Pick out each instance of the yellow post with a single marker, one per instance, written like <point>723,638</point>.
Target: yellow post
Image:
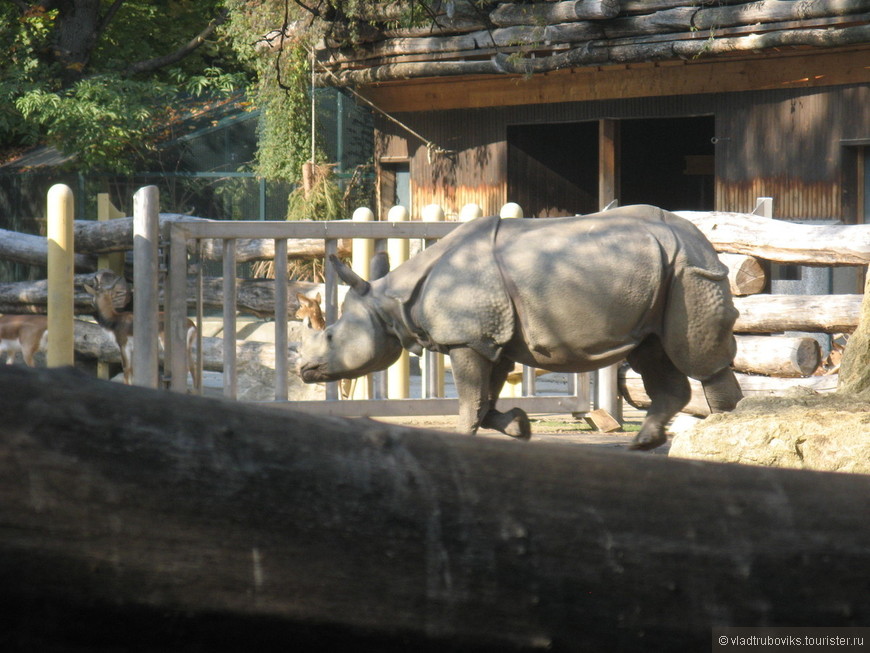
<point>432,364</point>
<point>112,261</point>
<point>398,374</point>
<point>511,210</point>
<point>60,277</point>
<point>106,211</point>
<point>362,251</point>
<point>470,212</point>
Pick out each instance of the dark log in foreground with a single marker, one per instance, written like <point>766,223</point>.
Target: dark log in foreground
<point>134,519</point>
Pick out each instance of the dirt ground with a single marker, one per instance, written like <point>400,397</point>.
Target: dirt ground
<point>545,428</point>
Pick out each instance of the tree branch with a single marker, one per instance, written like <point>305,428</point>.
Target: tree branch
<point>110,14</point>
<point>159,62</point>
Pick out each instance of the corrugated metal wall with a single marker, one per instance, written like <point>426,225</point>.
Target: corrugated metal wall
<point>786,144</point>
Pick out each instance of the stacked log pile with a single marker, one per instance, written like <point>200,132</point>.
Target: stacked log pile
<point>769,362</point>
<point>466,37</point>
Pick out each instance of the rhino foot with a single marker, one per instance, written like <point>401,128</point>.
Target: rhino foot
<point>514,423</point>
<point>648,438</point>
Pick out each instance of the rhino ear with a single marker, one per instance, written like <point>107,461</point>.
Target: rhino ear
<point>379,265</point>
<point>351,278</point>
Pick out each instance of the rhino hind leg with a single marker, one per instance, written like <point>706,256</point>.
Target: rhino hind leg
<point>478,384</point>
<point>667,387</point>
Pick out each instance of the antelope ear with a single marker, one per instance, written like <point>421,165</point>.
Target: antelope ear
<point>351,278</point>
<point>317,298</point>
<point>89,289</point>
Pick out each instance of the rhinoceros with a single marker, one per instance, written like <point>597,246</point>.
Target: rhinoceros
<point>562,294</point>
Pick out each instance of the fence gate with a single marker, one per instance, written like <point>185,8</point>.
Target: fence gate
<point>187,236</point>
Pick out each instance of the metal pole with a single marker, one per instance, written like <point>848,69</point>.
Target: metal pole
<point>398,374</point>
<point>229,314</point>
<point>281,319</point>
<point>176,311</point>
<point>146,209</point>
<point>432,363</point>
<point>362,251</point>
<point>61,255</point>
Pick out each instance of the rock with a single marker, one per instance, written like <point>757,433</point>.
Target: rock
<point>803,430</point>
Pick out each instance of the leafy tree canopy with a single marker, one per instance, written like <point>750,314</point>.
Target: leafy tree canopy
<point>100,78</point>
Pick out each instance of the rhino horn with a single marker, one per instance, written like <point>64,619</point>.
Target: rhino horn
<point>379,265</point>
<point>351,278</point>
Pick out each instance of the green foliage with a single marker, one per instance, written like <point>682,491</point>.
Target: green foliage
<point>92,103</point>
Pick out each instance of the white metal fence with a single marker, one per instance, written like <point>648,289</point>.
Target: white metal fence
<point>186,236</point>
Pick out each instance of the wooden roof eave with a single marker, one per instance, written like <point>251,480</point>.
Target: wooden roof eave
<point>594,53</point>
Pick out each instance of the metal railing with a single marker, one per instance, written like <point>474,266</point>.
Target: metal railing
<point>182,234</point>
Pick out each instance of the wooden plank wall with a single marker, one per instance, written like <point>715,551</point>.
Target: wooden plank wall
<point>787,144</point>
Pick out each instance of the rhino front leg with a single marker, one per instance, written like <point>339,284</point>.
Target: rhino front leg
<point>478,382</point>
<point>514,422</point>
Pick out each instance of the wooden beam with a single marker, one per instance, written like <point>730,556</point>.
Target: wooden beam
<point>205,524</point>
<point>799,70</point>
<point>608,162</point>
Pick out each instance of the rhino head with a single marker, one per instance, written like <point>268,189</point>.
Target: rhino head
<point>358,343</point>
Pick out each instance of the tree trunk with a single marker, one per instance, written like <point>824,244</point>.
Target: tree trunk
<point>205,524</point>
<point>777,313</point>
<point>855,366</point>
<point>632,390</point>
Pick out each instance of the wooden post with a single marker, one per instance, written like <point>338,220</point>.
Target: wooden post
<point>109,261</point>
<point>363,249</point>
<point>607,387</point>
<point>431,363</point>
<point>398,374</point>
<point>146,209</point>
<point>60,346</point>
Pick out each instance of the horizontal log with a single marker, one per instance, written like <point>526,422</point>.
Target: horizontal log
<point>746,274</point>
<point>547,13</point>
<point>201,525</point>
<point>33,250</point>
<point>816,313</point>
<point>260,249</point>
<point>632,390</point>
<point>92,341</point>
<point>784,242</point>
<point>32,296</point>
<point>256,296</point>
<point>600,52</point>
<point>781,356</point>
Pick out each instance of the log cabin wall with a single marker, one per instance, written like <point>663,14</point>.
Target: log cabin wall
<point>788,144</point>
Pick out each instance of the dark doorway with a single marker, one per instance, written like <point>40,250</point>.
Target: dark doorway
<point>553,169</point>
<point>668,162</point>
